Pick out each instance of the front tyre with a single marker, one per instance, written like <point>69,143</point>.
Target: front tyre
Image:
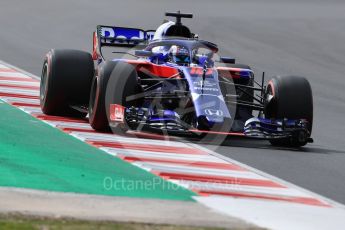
<point>115,83</point>
<point>290,97</point>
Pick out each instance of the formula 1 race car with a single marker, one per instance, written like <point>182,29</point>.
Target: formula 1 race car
<point>173,84</point>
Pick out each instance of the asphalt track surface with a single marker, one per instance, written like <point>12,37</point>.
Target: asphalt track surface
<point>299,37</point>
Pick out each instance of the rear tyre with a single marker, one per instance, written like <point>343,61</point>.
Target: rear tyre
<point>116,81</point>
<point>290,97</point>
<point>65,81</point>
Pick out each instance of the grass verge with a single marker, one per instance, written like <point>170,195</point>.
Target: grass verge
<point>20,222</point>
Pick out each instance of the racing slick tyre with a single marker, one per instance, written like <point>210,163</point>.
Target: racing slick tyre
<point>115,82</point>
<point>290,97</point>
<point>65,81</point>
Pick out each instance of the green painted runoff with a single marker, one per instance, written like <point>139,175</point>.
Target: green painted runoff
<point>37,156</point>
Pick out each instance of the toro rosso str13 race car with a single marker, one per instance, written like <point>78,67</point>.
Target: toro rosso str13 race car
<point>172,82</point>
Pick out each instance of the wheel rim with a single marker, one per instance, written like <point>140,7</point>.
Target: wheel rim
<point>43,85</point>
<point>270,110</point>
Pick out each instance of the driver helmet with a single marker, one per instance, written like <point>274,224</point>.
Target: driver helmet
<point>179,55</point>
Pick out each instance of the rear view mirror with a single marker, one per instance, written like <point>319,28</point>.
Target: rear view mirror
<point>229,60</point>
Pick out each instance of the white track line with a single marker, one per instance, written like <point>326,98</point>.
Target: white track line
<point>28,92</point>
<point>200,168</point>
<point>161,156</point>
<point>4,66</point>
<point>62,124</point>
<point>20,83</point>
<point>242,188</point>
<point>13,74</point>
<point>30,110</point>
<point>25,73</point>
<point>111,137</point>
<point>21,100</point>
<point>203,171</point>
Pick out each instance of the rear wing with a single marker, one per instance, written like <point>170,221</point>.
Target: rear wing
<point>120,37</point>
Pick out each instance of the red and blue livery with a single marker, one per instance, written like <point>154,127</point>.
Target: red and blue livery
<point>169,80</point>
